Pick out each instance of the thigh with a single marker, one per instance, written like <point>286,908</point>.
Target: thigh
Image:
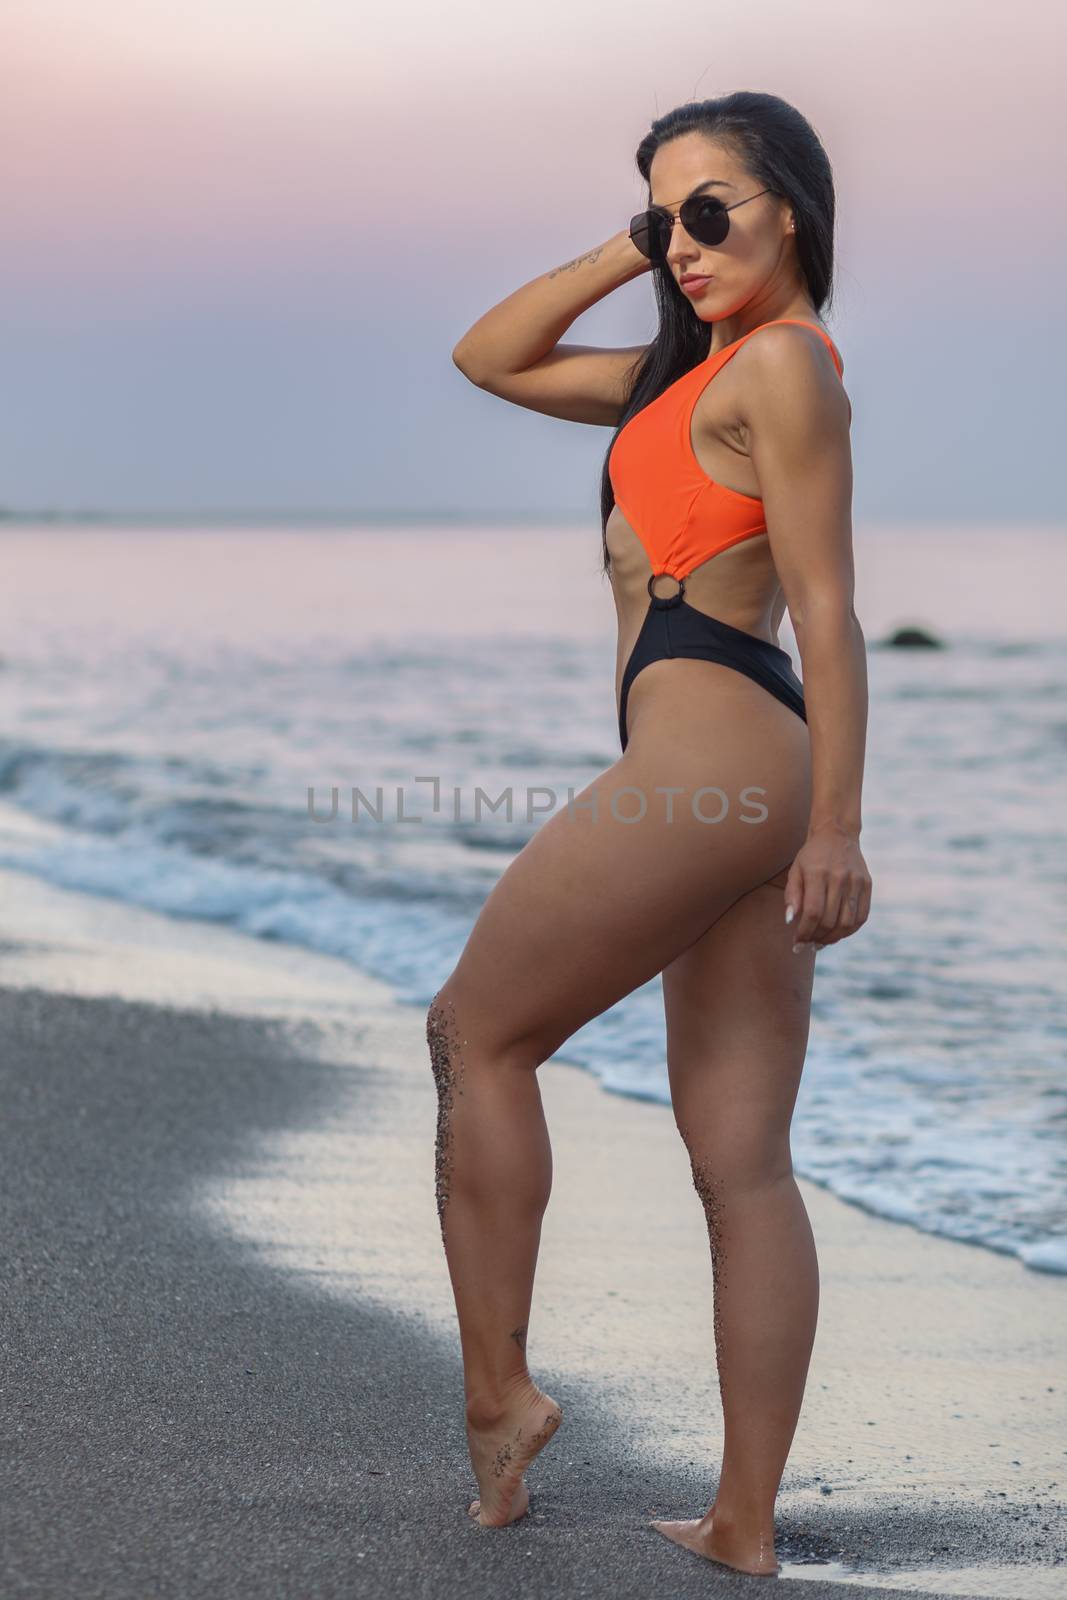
<point>738,1009</point>
<point>612,889</point>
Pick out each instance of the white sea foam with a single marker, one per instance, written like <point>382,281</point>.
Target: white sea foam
<point>162,754</point>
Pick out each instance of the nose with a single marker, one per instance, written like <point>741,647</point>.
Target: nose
<point>682,250</point>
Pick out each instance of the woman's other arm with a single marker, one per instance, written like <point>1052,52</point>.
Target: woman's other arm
<point>796,416</point>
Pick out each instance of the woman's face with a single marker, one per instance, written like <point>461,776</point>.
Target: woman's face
<point>759,251</point>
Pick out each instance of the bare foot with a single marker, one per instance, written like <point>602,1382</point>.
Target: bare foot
<point>502,1446</point>
<point>723,1543</point>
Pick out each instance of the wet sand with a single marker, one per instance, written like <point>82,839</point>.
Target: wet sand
<point>230,1355</point>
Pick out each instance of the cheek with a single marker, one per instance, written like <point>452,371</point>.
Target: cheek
<point>754,247</point>
<point>752,260</point>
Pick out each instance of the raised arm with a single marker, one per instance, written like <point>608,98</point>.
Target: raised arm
<point>513,351</point>
<point>796,415</point>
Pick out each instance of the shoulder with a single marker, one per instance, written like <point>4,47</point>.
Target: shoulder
<point>795,346</point>
<point>789,367</point>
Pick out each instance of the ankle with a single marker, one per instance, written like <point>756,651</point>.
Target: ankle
<point>485,1410</point>
<point>743,1521</point>
<point>491,1403</point>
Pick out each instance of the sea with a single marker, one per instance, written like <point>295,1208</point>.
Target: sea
<point>283,727</point>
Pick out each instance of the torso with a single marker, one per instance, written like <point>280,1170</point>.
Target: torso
<point>739,583</point>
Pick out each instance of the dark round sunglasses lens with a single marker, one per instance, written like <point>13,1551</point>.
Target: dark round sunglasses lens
<point>706,220</point>
<point>646,235</point>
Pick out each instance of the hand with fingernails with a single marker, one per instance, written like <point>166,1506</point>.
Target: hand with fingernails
<point>828,891</point>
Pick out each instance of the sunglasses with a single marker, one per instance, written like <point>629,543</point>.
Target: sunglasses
<point>705,219</point>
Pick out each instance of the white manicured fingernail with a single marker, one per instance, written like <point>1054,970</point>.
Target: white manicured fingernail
<point>789,913</point>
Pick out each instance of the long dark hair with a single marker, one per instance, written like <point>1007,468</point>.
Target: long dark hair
<point>782,151</point>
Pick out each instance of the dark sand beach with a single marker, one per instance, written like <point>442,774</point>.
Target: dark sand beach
<point>183,1417</point>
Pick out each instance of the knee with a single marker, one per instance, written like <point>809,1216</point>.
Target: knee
<point>732,1160</point>
<point>464,1023</point>
<point>444,1039</point>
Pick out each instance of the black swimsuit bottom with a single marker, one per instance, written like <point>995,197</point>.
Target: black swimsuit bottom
<point>672,627</point>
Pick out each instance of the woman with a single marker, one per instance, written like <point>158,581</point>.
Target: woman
<point>754,864</point>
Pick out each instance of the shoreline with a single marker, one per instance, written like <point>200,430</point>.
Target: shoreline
<point>219,1160</point>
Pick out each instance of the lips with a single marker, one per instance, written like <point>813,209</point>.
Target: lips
<point>695,277</point>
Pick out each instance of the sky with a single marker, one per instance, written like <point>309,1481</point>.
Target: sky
<point>238,242</point>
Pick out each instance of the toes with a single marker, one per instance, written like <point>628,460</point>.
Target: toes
<point>474,1508</point>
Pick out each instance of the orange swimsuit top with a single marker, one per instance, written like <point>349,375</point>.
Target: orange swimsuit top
<point>681,516</point>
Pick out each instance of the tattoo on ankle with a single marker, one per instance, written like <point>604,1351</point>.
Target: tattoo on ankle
<point>519,1336</point>
<point>442,1036</point>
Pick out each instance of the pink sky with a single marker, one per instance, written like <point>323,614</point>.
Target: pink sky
<point>285,170</point>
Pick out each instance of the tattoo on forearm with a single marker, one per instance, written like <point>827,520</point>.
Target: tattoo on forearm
<point>569,266</point>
